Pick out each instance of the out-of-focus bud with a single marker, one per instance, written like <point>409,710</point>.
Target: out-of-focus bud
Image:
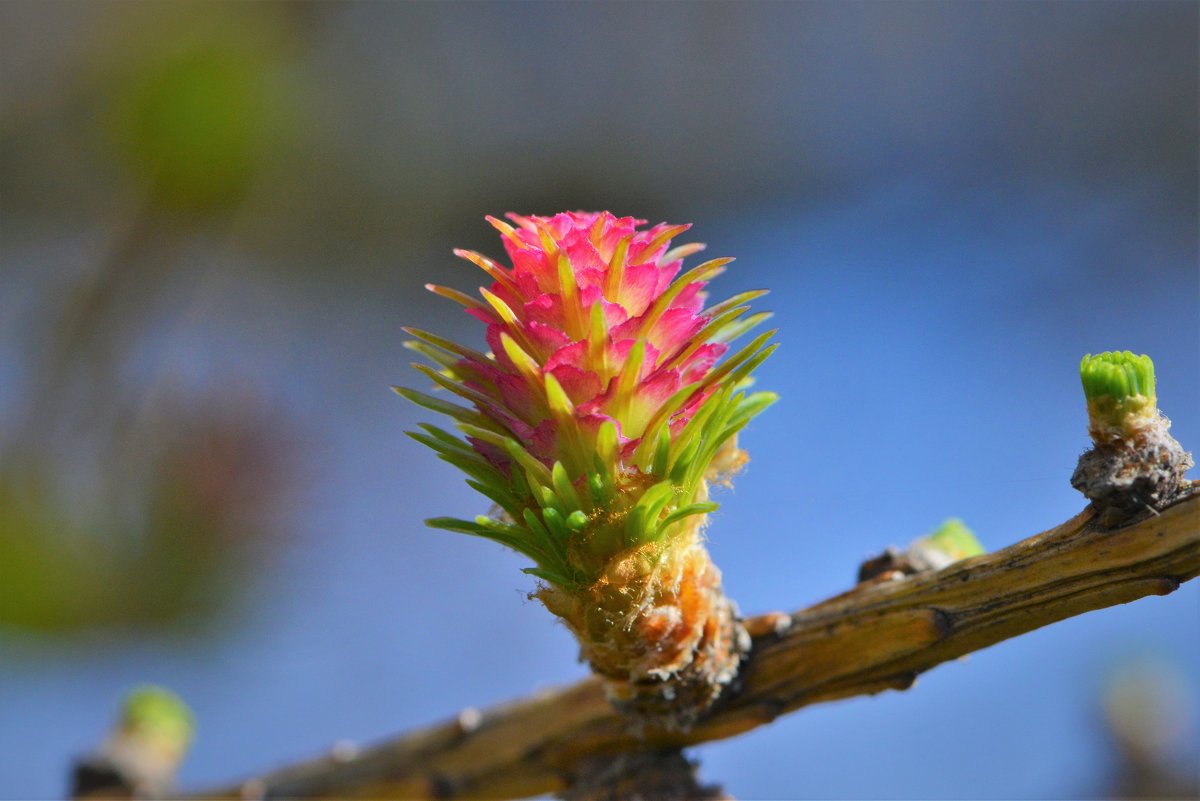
<point>144,750</point>
<point>950,542</point>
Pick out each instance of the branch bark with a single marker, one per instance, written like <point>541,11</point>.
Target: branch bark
<point>878,636</point>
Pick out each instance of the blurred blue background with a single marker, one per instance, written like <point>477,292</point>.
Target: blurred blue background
<point>216,218</point>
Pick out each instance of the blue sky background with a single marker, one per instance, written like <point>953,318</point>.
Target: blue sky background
<point>950,203</point>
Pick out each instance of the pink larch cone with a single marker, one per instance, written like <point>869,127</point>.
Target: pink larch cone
<point>606,406</point>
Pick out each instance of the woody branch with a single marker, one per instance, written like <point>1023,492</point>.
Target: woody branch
<point>878,636</point>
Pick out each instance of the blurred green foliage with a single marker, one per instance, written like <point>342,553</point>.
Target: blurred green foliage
<point>166,542</point>
<point>119,506</point>
<point>197,110</point>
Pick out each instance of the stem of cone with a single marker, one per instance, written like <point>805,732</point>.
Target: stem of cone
<point>658,627</point>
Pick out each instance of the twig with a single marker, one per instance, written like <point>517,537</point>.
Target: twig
<point>878,636</point>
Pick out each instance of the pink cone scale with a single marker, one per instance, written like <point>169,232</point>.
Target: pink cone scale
<point>602,379</point>
<point>609,398</point>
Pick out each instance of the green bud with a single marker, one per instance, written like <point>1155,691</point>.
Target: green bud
<point>157,717</point>
<point>1119,387</point>
<point>953,539</point>
<point>1119,374</point>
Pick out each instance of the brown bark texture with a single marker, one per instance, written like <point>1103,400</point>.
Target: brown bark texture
<point>878,636</point>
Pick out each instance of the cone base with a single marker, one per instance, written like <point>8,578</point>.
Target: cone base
<point>677,701</point>
<point>660,630</point>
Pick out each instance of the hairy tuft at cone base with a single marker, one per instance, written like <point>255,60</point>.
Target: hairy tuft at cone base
<point>608,401</point>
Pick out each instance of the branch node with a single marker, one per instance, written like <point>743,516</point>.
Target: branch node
<point>770,708</point>
<point>344,751</point>
<point>440,787</point>
<point>253,790</point>
<point>1168,585</point>
<point>772,624</point>
<point>943,621</point>
<point>469,719</point>
<point>639,776</point>
<point>1128,480</point>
